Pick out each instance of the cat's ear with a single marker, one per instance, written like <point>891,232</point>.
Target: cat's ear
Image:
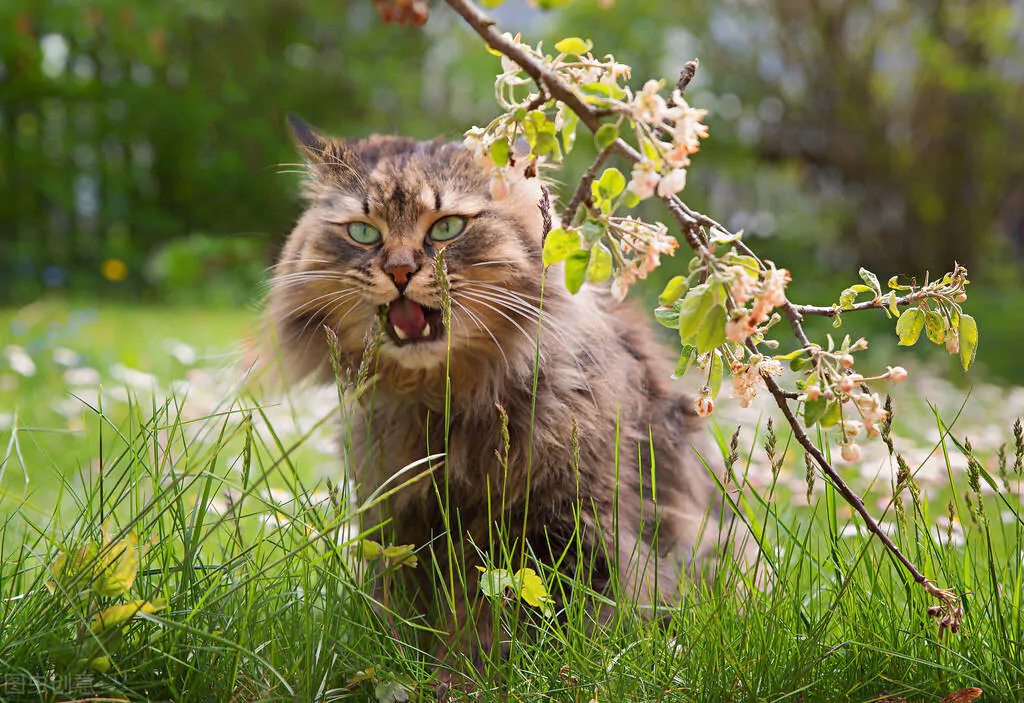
<point>313,144</point>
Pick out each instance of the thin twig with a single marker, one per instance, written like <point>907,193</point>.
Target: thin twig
<point>582,193</point>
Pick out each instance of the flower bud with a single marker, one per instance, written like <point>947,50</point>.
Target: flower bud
<point>897,374</point>
<point>952,341</point>
<point>704,405</point>
<point>846,360</point>
<point>850,452</point>
<point>848,383</point>
<point>961,297</point>
<point>813,392</point>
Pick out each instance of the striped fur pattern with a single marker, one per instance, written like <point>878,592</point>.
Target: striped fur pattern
<point>601,378</point>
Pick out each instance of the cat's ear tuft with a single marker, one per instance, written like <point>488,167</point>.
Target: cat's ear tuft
<point>312,143</point>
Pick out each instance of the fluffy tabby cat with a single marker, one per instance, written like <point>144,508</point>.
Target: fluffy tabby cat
<point>379,212</point>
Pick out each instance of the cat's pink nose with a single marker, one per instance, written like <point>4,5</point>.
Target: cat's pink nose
<point>400,274</point>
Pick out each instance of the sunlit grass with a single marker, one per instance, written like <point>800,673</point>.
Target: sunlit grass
<point>264,592</point>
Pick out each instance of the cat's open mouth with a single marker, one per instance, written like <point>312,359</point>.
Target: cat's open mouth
<point>411,323</point>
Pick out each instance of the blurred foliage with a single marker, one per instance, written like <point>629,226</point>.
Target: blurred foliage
<point>878,132</point>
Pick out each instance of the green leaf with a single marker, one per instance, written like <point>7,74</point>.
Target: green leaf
<point>491,3</point>
<point>499,152</point>
<point>668,315</point>
<point>673,291</point>
<point>895,284</point>
<point>574,45</point>
<point>968,332</point>
<point>593,230</point>
<point>652,154</point>
<point>391,692</point>
<point>893,307</point>
<point>711,334</point>
<point>117,615</point>
<point>399,555</point>
<point>605,135</point>
<point>612,183</point>
<point>631,199</point>
<point>717,371</point>
<point>872,280</point>
<point>814,410</point>
<point>909,327</point>
<point>600,268</point>
<point>686,359</point>
<point>370,550</point>
<point>576,269</point>
<point>495,582</point>
<point>833,413</point>
<point>100,664</point>
<point>569,130</point>
<point>559,244</point>
<point>935,327</point>
<point>695,306</point>
<point>546,143</point>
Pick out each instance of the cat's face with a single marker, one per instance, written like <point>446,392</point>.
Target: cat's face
<point>380,210</point>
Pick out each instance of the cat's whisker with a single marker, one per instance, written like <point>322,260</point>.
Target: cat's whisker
<point>512,322</point>
<point>512,302</point>
<point>323,311</point>
<point>495,262</point>
<point>567,343</point>
<point>503,289</point>
<point>475,318</point>
<point>293,262</point>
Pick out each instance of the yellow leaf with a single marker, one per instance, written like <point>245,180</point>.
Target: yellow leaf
<point>120,566</point>
<point>119,614</point>
<point>401,555</point>
<point>531,588</point>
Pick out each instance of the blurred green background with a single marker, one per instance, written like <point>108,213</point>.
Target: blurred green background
<point>144,157</point>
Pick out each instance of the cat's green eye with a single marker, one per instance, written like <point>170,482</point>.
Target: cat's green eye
<point>363,233</point>
<point>447,228</point>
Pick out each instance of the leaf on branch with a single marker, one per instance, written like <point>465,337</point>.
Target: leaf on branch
<point>695,306</point>
<point>559,244</point>
<point>600,268</point>
<point>872,281</point>
<point>605,135</point>
<point>612,183</point>
<point>569,130</point>
<point>814,410</point>
<point>686,359</point>
<point>668,315</point>
<point>576,264</point>
<point>717,372</point>
<point>711,334</point>
<point>574,45</point>
<point>968,332</point>
<point>673,291</point>
<point>499,152</point>
<point>909,327</point>
<point>935,327</point>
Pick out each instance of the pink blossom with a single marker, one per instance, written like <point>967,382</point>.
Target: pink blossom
<point>897,374</point>
<point>846,360</point>
<point>673,182</point>
<point>812,392</point>
<point>644,180</point>
<point>738,328</point>
<point>744,284</point>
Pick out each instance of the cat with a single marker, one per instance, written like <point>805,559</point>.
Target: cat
<point>567,376</point>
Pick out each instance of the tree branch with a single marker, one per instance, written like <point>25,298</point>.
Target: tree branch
<point>690,222</point>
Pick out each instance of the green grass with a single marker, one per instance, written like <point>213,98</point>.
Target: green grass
<point>265,595</point>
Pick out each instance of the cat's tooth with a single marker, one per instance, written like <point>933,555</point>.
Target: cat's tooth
<point>400,334</point>
<point>426,331</point>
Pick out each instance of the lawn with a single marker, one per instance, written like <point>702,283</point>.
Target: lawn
<point>219,517</point>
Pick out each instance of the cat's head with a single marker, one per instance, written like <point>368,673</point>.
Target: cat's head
<point>379,212</point>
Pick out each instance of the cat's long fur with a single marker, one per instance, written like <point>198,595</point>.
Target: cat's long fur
<point>600,370</point>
